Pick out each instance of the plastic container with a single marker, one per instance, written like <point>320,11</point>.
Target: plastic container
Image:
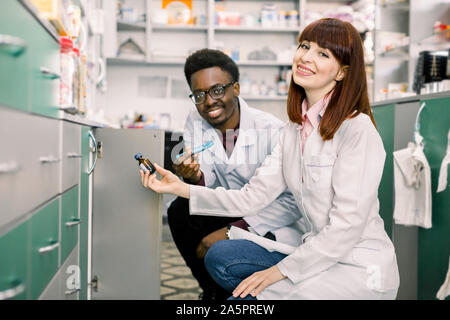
<point>67,72</point>
<point>269,16</point>
<point>292,19</point>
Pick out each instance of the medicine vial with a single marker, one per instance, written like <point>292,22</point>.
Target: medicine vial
<point>144,164</point>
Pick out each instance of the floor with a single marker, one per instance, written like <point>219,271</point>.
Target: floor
<point>177,282</point>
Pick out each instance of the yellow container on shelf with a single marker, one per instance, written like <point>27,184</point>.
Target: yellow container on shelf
<point>56,12</point>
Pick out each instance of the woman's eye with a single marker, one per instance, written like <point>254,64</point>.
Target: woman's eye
<point>304,46</point>
<point>323,54</point>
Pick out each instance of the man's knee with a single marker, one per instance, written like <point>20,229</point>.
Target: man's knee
<point>178,208</point>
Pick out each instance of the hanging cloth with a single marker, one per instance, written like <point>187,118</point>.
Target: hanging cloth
<point>442,182</point>
<point>444,291</point>
<point>412,184</point>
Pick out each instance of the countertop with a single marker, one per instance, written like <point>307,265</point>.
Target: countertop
<point>437,95</point>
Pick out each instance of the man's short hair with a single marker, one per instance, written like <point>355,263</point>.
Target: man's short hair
<point>207,58</point>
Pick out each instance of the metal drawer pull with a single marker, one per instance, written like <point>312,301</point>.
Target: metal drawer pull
<point>12,292</point>
<point>9,167</point>
<point>50,74</point>
<point>70,292</point>
<point>50,159</point>
<point>74,155</point>
<point>49,248</point>
<point>69,109</point>
<point>12,45</point>
<point>91,136</point>
<point>74,222</point>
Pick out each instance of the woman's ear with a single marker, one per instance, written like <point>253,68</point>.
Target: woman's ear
<point>341,74</point>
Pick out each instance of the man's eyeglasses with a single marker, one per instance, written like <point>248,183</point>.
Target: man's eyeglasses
<point>216,92</point>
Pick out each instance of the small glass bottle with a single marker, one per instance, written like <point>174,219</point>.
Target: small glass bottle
<point>144,164</point>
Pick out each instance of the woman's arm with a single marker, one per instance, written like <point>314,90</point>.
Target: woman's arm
<point>263,188</point>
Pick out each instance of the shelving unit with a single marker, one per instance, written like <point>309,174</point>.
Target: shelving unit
<point>167,47</point>
<point>414,18</point>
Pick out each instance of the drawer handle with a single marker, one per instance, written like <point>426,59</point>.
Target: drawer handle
<point>9,167</point>
<point>12,45</point>
<point>49,248</point>
<point>50,159</point>
<point>91,136</point>
<point>70,292</point>
<point>74,222</point>
<point>49,74</point>
<point>69,109</point>
<point>74,155</point>
<point>12,292</point>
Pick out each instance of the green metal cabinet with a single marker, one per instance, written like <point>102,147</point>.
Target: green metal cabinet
<point>70,222</point>
<point>434,243</point>
<point>384,118</point>
<point>14,248</point>
<point>45,73</point>
<point>16,28</point>
<point>44,246</point>
<point>29,62</point>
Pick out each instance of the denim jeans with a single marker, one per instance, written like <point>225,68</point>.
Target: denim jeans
<point>231,261</point>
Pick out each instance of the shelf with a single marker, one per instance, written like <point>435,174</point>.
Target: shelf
<point>130,26</point>
<point>257,63</point>
<point>264,98</point>
<point>257,29</point>
<point>126,61</point>
<point>178,27</point>
<point>436,38</point>
<point>395,51</point>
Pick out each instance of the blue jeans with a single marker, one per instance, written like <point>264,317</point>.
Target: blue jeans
<point>231,261</point>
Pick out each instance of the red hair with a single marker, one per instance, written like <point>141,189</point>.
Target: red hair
<point>349,97</point>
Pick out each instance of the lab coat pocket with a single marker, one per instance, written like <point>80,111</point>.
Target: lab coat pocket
<point>319,170</point>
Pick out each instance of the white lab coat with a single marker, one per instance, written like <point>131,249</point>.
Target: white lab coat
<point>258,135</point>
<point>346,253</point>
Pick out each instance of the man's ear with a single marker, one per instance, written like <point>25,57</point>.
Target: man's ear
<point>237,89</point>
<point>341,74</point>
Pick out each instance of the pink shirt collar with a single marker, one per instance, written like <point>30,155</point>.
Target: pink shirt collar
<point>315,113</point>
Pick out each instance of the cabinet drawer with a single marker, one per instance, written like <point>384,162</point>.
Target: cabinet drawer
<point>29,162</point>
<point>69,221</point>
<point>45,151</point>
<point>15,30</point>
<point>71,155</point>
<point>13,263</point>
<point>45,73</point>
<point>65,285</point>
<point>45,245</point>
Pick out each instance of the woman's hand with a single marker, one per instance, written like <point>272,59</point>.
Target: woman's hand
<point>257,282</point>
<point>169,183</point>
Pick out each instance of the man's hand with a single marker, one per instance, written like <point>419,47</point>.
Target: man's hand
<point>187,166</point>
<point>209,240</point>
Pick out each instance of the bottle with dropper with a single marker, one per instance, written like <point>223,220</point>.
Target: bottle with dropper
<point>144,164</point>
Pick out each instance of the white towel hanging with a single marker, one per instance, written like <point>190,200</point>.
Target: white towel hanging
<point>442,182</point>
<point>444,291</point>
<point>412,183</point>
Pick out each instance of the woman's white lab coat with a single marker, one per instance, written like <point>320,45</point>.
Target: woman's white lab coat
<point>346,254</point>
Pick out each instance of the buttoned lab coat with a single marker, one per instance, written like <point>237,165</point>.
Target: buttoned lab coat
<point>258,134</point>
<point>346,253</point>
